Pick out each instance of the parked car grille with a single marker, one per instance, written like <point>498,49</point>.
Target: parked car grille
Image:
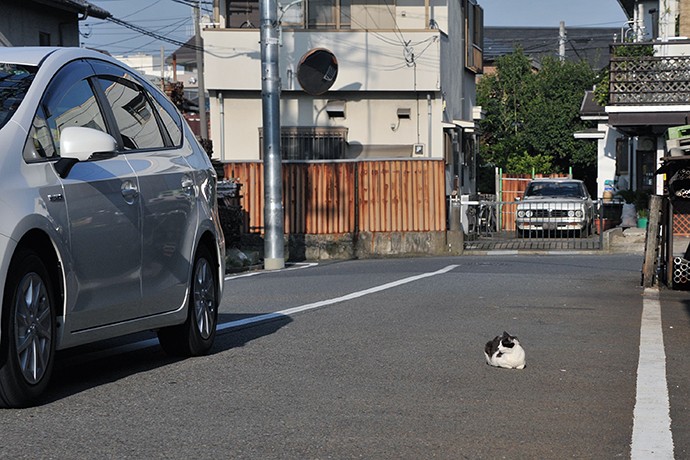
<point>550,213</point>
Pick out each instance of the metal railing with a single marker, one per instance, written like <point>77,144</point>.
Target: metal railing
<point>542,225</point>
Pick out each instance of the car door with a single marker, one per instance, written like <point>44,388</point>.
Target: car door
<point>103,211</point>
<point>166,186</point>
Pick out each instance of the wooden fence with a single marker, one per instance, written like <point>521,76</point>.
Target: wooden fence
<point>349,196</point>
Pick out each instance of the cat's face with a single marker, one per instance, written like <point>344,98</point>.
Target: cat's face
<point>507,342</point>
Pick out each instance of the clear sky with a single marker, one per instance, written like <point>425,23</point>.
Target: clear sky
<point>580,13</point>
<point>173,19</point>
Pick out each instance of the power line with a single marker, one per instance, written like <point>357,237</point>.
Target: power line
<point>143,31</point>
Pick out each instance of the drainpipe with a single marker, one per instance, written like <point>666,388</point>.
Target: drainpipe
<point>221,104</point>
<point>428,110</point>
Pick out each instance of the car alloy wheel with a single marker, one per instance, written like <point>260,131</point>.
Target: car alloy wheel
<point>204,292</point>
<point>33,333</point>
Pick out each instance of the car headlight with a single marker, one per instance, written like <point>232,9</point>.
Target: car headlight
<point>528,213</point>
<point>579,214</point>
<point>521,213</point>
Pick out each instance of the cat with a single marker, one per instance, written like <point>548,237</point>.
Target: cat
<point>505,351</point>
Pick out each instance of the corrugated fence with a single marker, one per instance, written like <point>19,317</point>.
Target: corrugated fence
<point>349,196</point>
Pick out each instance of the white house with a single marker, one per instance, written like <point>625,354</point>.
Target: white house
<point>405,83</point>
<point>649,92</point>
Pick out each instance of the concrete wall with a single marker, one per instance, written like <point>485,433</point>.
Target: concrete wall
<point>366,61</point>
<point>374,129</point>
<point>363,245</point>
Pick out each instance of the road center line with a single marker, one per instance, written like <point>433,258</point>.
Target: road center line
<point>651,437</point>
<point>324,303</point>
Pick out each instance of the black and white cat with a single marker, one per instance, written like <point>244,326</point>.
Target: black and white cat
<point>505,351</point>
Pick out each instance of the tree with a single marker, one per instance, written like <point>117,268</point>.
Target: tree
<point>531,116</point>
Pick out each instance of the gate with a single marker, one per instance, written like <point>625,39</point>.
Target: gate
<point>547,225</point>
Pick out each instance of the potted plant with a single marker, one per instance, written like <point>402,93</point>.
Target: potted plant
<point>642,218</point>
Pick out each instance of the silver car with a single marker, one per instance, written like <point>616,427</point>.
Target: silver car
<point>109,218</point>
<point>555,205</point>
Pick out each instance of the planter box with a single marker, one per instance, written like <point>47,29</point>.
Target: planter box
<point>602,225</point>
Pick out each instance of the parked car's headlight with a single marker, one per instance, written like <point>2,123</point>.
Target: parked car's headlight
<point>578,213</point>
<point>521,213</point>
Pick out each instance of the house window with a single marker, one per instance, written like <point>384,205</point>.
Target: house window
<point>243,14</point>
<point>474,31</point>
<point>297,143</point>
<point>307,14</point>
<point>622,162</point>
<point>43,39</point>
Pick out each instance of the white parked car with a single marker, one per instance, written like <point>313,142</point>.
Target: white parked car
<point>555,205</point>
<point>109,217</point>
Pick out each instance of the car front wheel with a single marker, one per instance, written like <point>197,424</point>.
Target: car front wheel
<point>195,337</point>
<point>28,331</point>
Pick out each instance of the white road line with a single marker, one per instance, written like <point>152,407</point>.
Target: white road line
<point>651,437</point>
<point>297,266</point>
<point>101,354</point>
<point>324,303</point>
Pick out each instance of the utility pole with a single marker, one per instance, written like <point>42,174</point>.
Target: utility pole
<point>561,42</point>
<point>274,257</point>
<point>203,122</point>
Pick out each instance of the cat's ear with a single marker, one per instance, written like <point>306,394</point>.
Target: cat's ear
<point>505,335</point>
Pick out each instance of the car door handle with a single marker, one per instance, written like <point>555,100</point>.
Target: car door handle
<point>130,192</point>
<point>188,185</point>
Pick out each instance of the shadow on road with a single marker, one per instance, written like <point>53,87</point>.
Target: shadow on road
<point>83,368</point>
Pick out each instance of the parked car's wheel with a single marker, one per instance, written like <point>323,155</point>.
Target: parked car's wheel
<point>28,331</point>
<point>195,337</point>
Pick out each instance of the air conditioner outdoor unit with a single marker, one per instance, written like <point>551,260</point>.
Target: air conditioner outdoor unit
<point>418,150</point>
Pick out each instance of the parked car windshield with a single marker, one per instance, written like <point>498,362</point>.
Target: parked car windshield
<point>555,189</point>
<point>14,83</point>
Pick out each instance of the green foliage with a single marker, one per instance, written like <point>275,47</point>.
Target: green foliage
<point>525,163</point>
<point>601,91</point>
<point>531,115</point>
<point>633,51</point>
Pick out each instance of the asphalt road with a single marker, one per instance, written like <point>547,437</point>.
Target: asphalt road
<point>378,359</point>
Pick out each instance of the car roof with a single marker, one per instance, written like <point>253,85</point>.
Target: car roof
<point>35,55</point>
<point>556,180</point>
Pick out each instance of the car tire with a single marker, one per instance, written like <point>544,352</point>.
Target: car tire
<point>28,331</point>
<point>196,335</point>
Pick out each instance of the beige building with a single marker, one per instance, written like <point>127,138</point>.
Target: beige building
<point>405,83</point>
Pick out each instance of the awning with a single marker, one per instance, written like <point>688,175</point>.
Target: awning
<point>589,134</point>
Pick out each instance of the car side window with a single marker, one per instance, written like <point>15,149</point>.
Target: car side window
<point>133,113</point>
<point>75,106</point>
<point>171,121</point>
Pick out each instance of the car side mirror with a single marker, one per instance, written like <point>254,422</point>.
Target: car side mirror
<point>81,144</point>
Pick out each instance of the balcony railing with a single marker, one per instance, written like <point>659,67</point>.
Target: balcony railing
<point>659,79</point>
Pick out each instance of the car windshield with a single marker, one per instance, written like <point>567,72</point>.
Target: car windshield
<point>14,83</point>
<point>555,189</point>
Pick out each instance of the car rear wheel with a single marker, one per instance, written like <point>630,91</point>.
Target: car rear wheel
<point>28,331</point>
<point>195,337</point>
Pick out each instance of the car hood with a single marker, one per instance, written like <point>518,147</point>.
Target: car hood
<point>552,199</point>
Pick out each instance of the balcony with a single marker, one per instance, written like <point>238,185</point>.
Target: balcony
<point>646,74</point>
